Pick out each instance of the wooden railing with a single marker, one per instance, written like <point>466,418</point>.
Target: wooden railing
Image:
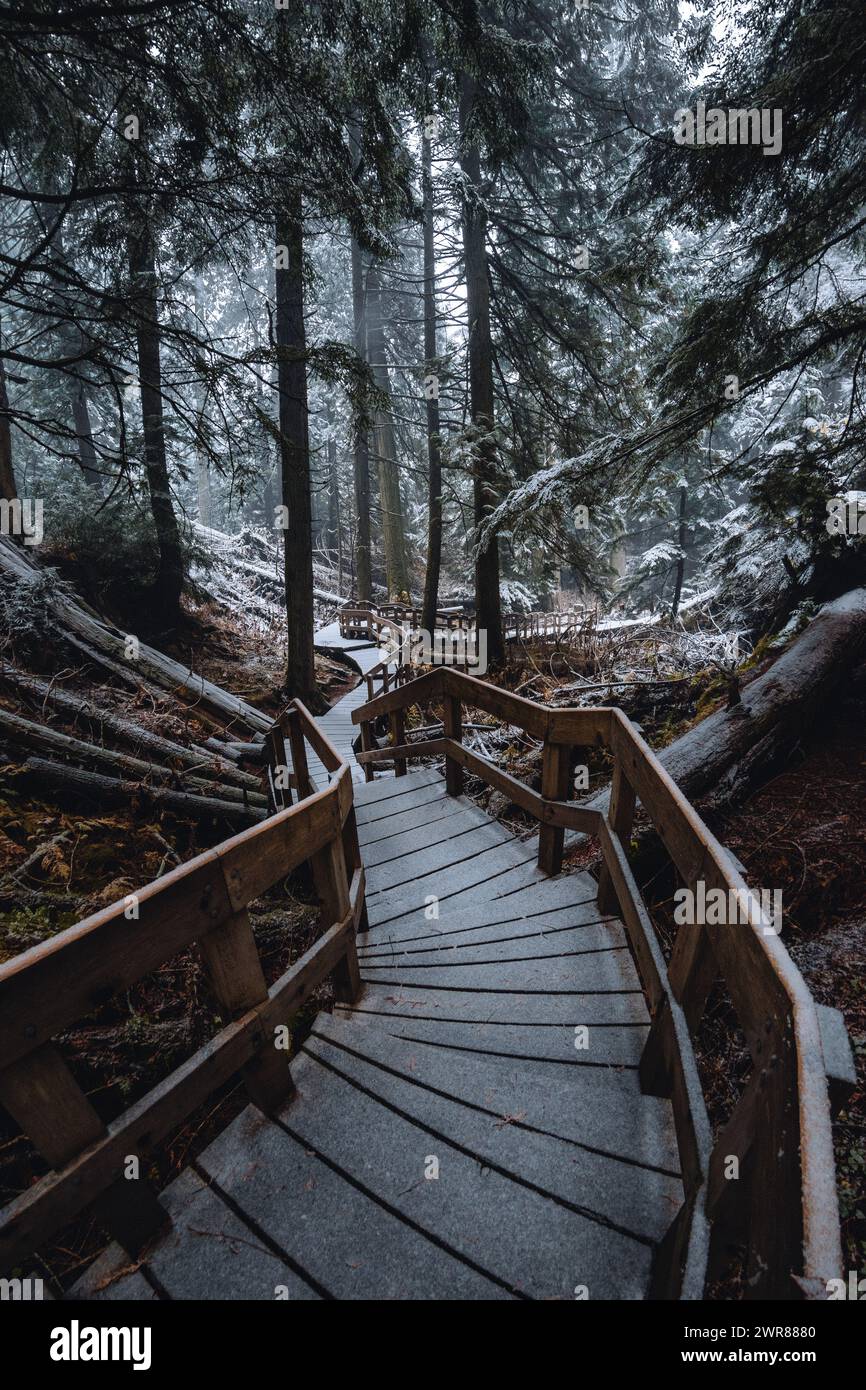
<point>766,1184</point>
<point>451,619</point>
<point>376,620</point>
<point>354,619</point>
<point>46,990</point>
<point>560,625</point>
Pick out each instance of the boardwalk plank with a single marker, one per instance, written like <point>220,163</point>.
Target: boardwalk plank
<point>211,1254</point>
<point>348,1241</point>
<point>635,1200</point>
<point>488,1006</point>
<point>600,1109</point>
<point>608,969</point>
<point>520,1236</point>
<point>112,1278</point>
<point>373,832</point>
<point>500,928</point>
<point>455,912</point>
<point>607,1046</point>
<point>448,858</point>
<point>385,787</point>
<point>398,794</point>
<point>509,942</point>
<point>405,840</point>
<point>481,869</point>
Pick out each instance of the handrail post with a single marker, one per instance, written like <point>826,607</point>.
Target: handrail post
<point>299,753</point>
<point>237,979</point>
<point>398,734</point>
<point>775,1225</point>
<point>45,1100</point>
<point>555,763</point>
<point>352,851</point>
<point>275,744</point>
<point>331,879</point>
<point>620,818</point>
<point>453,728</point>
<point>367,747</point>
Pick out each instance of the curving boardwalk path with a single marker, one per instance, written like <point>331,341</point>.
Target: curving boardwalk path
<point>337,723</point>
<point>473,1128</point>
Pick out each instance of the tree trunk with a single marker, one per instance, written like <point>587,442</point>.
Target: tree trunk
<point>333,534</point>
<point>681,563</point>
<point>202,474</point>
<point>143,301</point>
<point>431,366</point>
<point>295,454</point>
<point>74,339</point>
<point>487,602</point>
<point>729,753</point>
<point>363,552</point>
<point>270,501</point>
<point>7,477</point>
<point>393,524</point>
<point>84,434</point>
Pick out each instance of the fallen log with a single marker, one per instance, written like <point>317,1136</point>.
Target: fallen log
<point>237,752</point>
<point>48,740</point>
<point>125,730</point>
<point>122,792</point>
<point>74,616</point>
<point>726,756</point>
<point>136,682</point>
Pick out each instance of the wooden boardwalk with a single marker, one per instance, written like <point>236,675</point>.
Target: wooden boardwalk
<point>505,1102</point>
<point>337,723</point>
<point>474,1127</point>
<point>447,1138</point>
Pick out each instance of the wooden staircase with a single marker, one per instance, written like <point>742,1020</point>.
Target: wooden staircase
<point>505,1102</point>
<point>552,1170</point>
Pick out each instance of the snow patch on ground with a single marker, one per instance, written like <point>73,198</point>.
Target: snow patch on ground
<point>244,572</point>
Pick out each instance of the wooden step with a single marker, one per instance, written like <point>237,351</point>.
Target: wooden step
<point>507,1124</point>
<point>517,1226</point>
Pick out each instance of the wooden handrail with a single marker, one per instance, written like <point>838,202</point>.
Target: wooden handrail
<point>48,988</point>
<point>779,1018</point>
<point>557,623</point>
<point>398,614</point>
<point>783,1202</point>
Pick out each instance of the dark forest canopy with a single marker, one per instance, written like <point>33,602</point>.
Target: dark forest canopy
<point>431,290</point>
